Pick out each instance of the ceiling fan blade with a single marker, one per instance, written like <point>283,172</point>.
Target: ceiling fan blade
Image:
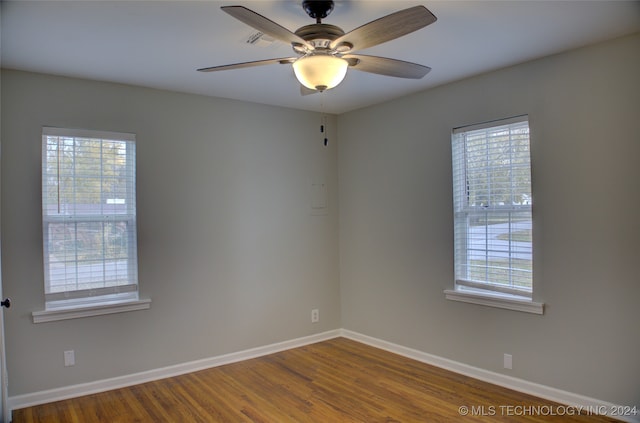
<point>265,25</point>
<point>282,61</point>
<point>386,66</point>
<point>386,28</point>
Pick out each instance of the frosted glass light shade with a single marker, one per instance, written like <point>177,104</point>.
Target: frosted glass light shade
<point>320,71</point>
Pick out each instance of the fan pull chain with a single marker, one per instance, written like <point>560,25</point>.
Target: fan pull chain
<point>323,129</point>
<point>323,121</point>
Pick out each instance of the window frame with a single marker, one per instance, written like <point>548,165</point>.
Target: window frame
<point>484,291</point>
<point>93,300</point>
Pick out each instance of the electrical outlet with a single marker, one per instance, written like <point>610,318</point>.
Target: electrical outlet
<point>69,358</point>
<point>508,361</point>
<point>315,315</point>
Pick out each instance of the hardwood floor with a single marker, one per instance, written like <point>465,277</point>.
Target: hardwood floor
<point>332,381</point>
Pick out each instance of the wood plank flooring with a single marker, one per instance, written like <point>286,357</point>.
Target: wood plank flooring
<point>339,380</point>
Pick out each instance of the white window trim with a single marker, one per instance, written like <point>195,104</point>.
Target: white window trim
<point>119,301</point>
<point>493,300</point>
<point>100,309</point>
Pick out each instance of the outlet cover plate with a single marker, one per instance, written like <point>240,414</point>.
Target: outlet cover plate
<point>69,358</point>
<point>508,361</point>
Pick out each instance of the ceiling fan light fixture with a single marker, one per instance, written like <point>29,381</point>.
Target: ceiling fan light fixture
<point>320,71</point>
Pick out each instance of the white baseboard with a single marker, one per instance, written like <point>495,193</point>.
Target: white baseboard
<point>66,392</point>
<point>520,385</point>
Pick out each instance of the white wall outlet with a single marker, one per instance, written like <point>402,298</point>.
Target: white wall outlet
<point>508,361</point>
<point>315,315</point>
<point>69,358</point>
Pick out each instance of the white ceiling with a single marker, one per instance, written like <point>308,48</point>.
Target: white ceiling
<point>160,44</point>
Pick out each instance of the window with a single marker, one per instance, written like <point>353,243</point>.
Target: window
<point>89,218</point>
<point>492,212</point>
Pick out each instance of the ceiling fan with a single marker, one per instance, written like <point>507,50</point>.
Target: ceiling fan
<point>325,52</point>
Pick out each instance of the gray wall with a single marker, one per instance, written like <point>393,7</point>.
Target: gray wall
<point>229,252</point>
<point>396,223</point>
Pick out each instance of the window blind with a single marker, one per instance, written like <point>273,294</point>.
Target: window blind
<point>89,216</point>
<point>492,207</point>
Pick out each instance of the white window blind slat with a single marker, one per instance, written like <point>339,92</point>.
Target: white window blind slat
<point>74,294</point>
<point>490,124</point>
<point>87,133</point>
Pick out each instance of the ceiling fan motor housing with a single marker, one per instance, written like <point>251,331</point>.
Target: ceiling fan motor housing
<point>319,35</point>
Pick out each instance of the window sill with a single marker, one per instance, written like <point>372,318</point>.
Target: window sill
<point>498,301</point>
<point>88,311</point>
